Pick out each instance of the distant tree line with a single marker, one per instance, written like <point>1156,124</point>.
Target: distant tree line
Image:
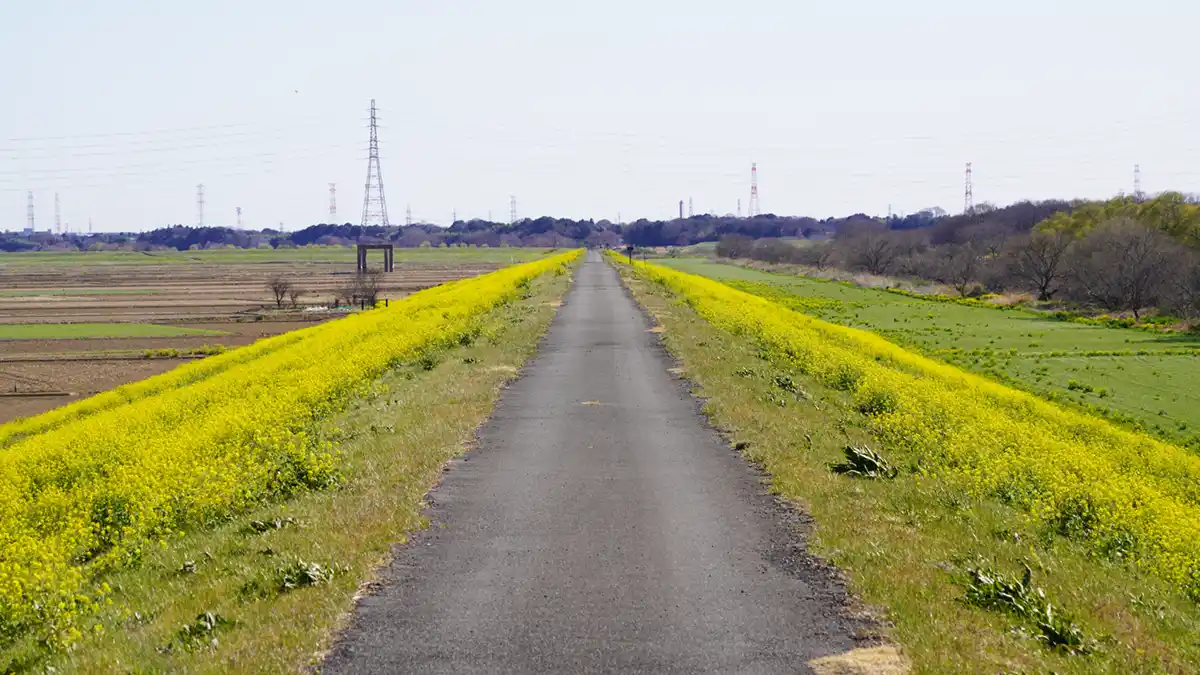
<point>544,231</point>
<point>1122,255</point>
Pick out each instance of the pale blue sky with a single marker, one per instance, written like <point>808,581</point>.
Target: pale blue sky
<point>586,110</point>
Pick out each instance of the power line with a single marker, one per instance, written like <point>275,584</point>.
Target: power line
<point>374,205</point>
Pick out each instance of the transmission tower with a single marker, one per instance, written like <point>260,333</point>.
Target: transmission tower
<point>200,205</point>
<point>333,203</point>
<point>29,213</point>
<point>374,204</point>
<point>681,209</point>
<point>239,217</point>
<point>453,216</point>
<point>512,209</point>
<point>739,211</point>
<point>969,193</point>
<point>690,211</point>
<point>408,214</point>
<point>89,225</point>
<point>1137,183</point>
<point>754,208</point>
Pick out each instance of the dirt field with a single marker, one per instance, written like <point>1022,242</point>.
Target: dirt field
<point>231,297</point>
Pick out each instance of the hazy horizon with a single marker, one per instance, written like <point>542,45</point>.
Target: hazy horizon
<point>619,110</point>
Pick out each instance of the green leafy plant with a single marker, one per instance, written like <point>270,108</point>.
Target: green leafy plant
<point>864,462</point>
<point>989,589</point>
<point>199,633</point>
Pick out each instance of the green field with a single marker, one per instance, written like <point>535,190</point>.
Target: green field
<point>76,291</point>
<point>1138,376</point>
<point>313,254</point>
<point>74,331</point>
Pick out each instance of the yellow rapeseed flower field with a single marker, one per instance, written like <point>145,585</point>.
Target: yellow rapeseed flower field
<point>1122,492</point>
<point>87,487</point>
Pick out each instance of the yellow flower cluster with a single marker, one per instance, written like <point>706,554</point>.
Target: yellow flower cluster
<point>1125,493</point>
<point>85,488</point>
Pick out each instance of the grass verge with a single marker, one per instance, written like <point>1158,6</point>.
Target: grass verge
<point>265,591</point>
<point>935,558</point>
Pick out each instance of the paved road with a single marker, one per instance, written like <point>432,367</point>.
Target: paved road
<point>599,527</point>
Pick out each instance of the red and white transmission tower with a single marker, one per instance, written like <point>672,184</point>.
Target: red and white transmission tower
<point>753,210</point>
<point>969,193</point>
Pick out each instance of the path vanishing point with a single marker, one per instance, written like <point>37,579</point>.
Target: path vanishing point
<point>598,527</point>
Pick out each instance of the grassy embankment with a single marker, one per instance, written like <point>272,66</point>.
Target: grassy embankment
<point>76,331</point>
<point>265,590</point>
<point>906,544</point>
<point>1140,377</point>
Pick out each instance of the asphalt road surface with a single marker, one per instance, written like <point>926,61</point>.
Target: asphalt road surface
<point>600,526</point>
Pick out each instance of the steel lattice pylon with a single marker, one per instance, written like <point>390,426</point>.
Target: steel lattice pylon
<point>374,204</point>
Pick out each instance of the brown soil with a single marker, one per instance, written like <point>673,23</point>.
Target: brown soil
<point>80,378</point>
<point>230,298</point>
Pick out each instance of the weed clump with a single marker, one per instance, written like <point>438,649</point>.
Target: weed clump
<point>989,589</point>
<point>202,632</point>
<point>864,462</point>
<point>289,576</point>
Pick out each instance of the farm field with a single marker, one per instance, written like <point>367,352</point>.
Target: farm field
<point>74,324</point>
<point>1151,379</point>
<point>67,331</point>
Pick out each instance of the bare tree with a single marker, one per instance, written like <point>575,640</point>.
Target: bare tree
<point>280,287</point>
<point>818,254</point>
<point>1122,265</point>
<point>294,294</point>
<point>735,246</point>
<point>873,251</point>
<point>960,267</point>
<point>1038,260</point>
<point>987,237</point>
<point>1183,291</point>
<point>772,250</point>
<point>367,286</point>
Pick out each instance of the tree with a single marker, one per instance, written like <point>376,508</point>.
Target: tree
<point>1183,291</point>
<point>735,246</point>
<point>280,287</point>
<point>367,286</point>
<point>960,267</point>
<point>294,294</point>
<point>1037,261</point>
<point>816,254</point>
<point>1122,265</point>
<point>872,250</point>
<point>987,237</point>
